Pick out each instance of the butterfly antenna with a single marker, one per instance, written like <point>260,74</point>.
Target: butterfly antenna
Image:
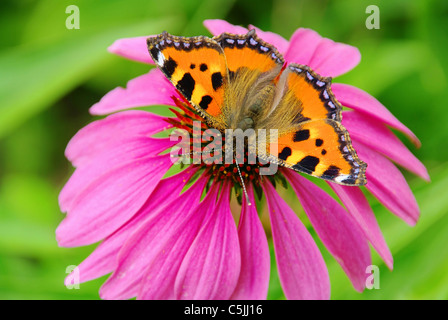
<point>242,183</point>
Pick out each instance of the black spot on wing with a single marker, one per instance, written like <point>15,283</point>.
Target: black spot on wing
<point>216,80</point>
<point>301,135</point>
<point>319,142</point>
<point>186,85</point>
<point>307,164</point>
<point>350,180</point>
<point>332,171</point>
<point>205,101</point>
<point>203,67</point>
<point>154,52</point>
<point>286,152</point>
<point>169,67</point>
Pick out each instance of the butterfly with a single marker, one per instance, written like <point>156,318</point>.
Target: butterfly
<point>240,81</point>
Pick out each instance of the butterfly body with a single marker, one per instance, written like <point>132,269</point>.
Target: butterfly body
<point>241,82</point>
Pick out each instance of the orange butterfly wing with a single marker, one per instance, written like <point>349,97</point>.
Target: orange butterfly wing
<point>197,68</point>
<point>249,51</point>
<point>318,144</point>
<point>202,69</point>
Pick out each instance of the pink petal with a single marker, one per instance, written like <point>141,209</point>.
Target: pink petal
<point>103,259</point>
<point>280,43</point>
<point>332,59</point>
<point>359,208</point>
<point>377,136</point>
<point>302,46</point>
<point>107,161</point>
<point>150,241</point>
<point>211,267</point>
<point>388,185</point>
<point>324,56</point>
<point>255,258</point>
<point>99,263</point>
<point>132,48</point>
<point>149,89</point>
<point>301,268</point>
<point>111,200</point>
<point>170,254</point>
<point>361,101</point>
<point>217,26</point>
<point>111,132</point>
<point>337,230</point>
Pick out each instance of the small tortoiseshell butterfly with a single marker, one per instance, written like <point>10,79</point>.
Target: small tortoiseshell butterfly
<point>240,81</point>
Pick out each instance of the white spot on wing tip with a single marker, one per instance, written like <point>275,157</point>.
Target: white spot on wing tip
<point>341,178</point>
<point>160,59</point>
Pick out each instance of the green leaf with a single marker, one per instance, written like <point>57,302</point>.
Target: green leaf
<point>34,77</point>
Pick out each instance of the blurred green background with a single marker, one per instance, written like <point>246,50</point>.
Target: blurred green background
<point>50,76</point>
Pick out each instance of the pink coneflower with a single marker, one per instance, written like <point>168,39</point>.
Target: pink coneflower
<point>161,240</point>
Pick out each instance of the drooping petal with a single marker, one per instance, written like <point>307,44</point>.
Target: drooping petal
<point>358,206</point>
<point>111,200</point>
<point>324,56</point>
<point>99,263</point>
<point>377,136</point>
<point>112,131</point>
<point>211,267</point>
<point>169,256</point>
<point>388,185</point>
<point>151,88</point>
<point>302,45</point>
<point>280,43</point>
<point>103,259</point>
<point>255,259</point>
<point>104,162</point>
<point>132,48</point>
<point>302,270</point>
<point>338,231</point>
<point>332,59</point>
<point>218,26</point>
<point>151,240</point>
<point>361,101</point>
